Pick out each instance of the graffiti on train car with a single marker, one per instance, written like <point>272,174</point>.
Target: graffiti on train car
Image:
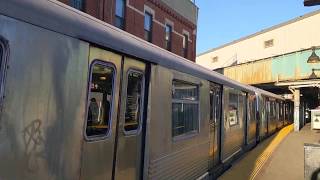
<point>33,140</point>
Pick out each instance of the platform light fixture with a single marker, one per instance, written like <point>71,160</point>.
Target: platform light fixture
<point>313,58</point>
<point>313,75</point>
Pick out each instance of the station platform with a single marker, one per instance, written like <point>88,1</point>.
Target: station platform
<point>279,157</point>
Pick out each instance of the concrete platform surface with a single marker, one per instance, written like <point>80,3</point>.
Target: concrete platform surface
<point>279,157</point>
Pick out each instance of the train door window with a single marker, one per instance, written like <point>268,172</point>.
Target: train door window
<point>4,48</point>
<point>211,106</point>
<point>185,108</point>
<point>242,107</point>
<point>233,109</point>
<point>134,100</point>
<point>1,54</point>
<point>100,99</point>
<point>215,104</point>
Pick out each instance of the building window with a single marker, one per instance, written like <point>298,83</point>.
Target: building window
<point>185,108</point>
<point>215,59</point>
<point>168,38</point>
<point>120,13</point>
<point>78,4</point>
<point>134,100</point>
<point>268,43</point>
<point>185,43</point>
<point>100,100</point>
<point>148,26</point>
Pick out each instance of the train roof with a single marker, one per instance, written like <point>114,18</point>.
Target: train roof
<point>58,17</point>
<point>267,93</point>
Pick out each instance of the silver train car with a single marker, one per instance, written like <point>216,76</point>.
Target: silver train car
<point>81,99</point>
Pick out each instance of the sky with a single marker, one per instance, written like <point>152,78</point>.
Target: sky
<point>221,21</point>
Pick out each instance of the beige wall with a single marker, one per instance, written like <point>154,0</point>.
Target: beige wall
<point>301,33</point>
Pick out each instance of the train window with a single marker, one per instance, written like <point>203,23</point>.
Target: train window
<point>281,111</point>
<point>272,109</point>
<point>211,106</point>
<point>100,99</point>
<point>251,108</point>
<point>1,52</point>
<point>4,48</point>
<point>185,107</point>
<point>134,100</point>
<point>233,109</point>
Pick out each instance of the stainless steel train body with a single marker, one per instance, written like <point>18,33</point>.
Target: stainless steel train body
<point>81,99</point>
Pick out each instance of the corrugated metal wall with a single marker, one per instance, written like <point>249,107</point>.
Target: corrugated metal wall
<point>292,66</point>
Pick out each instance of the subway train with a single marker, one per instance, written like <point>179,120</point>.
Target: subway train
<point>81,99</point>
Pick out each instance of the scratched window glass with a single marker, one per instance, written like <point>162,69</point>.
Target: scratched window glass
<point>100,100</point>
<point>134,101</point>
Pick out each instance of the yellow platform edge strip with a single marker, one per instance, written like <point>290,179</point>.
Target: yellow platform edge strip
<point>262,159</point>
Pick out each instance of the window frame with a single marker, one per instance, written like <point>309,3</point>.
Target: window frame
<point>109,132</point>
<point>151,26</point>
<point>189,134</point>
<point>138,130</point>
<point>123,19</point>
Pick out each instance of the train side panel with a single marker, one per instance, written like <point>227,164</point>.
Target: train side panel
<point>43,111</point>
<point>173,154</point>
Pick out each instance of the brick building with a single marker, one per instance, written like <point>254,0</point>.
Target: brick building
<point>170,24</point>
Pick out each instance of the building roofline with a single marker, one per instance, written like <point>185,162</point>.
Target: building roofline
<point>265,59</point>
<point>299,18</point>
<point>62,19</point>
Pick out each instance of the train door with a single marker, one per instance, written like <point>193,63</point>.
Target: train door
<point>263,124</point>
<point>101,116</point>
<point>268,116</point>
<point>286,113</point>
<point>215,123</point>
<point>251,120</point>
<point>113,128</point>
<point>233,131</point>
<point>130,135</point>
